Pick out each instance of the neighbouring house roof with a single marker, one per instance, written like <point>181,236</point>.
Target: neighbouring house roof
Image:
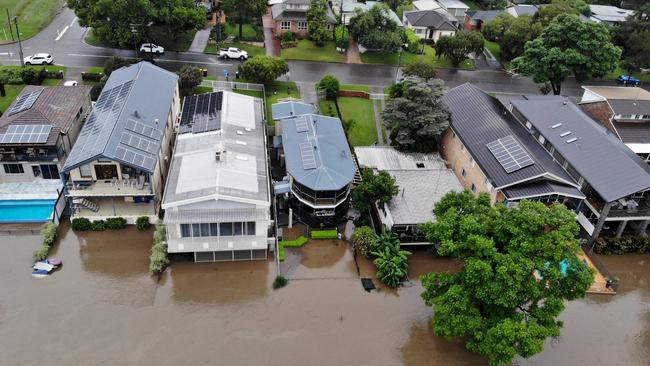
<point>479,119</point>
<point>634,132</point>
<point>350,6</point>
<point>282,11</point>
<point>607,13</point>
<point>619,92</point>
<point>623,100</point>
<point>452,4</point>
<point>610,167</point>
<point>316,152</point>
<point>426,5</point>
<point>292,108</point>
<point>128,120</point>
<point>541,188</point>
<point>483,15</point>
<point>240,173</point>
<point>437,19</point>
<point>55,106</point>
<point>519,10</point>
<point>601,112</point>
<point>423,179</point>
<point>638,107</point>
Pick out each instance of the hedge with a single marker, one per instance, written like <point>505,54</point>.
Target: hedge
<point>92,76</point>
<point>324,234</point>
<point>625,244</point>
<point>81,224</point>
<point>158,259</point>
<point>98,225</point>
<point>49,232</point>
<point>116,223</point>
<point>296,243</point>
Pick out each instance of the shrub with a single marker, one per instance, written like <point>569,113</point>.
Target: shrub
<point>92,76</point>
<point>279,282</point>
<point>296,243</point>
<point>81,224</point>
<point>342,36</point>
<point>142,223</point>
<point>54,74</point>
<point>324,234</point>
<point>391,261</point>
<point>625,244</point>
<point>263,69</point>
<point>160,234</point>
<point>41,252</point>
<point>32,76</point>
<point>48,231</point>
<point>98,225</point>
<point>413,41</point>
<point>158,259</point>
<point>116,223</point>
<point>282,253</point>
<point>364,240</point>
<point>396,90</point>
<point>11,76</point>
<point>95,91</point>
<point>331,86</point>
<point>288,36</point>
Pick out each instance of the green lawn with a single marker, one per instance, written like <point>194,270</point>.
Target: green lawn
<point>407,58</point>
<point>201,89</point>
<point>364,132</point>
<point>12,93</point>
<point>252,50</point>
<point>328,108</point>
<point>364,88</point>
<point>279,90</point>
<point>95,70</point>
<point>49,67</point>
<point>621,71</point>
<point>248,31</point>
<point>306,50</point>
<point>33,16</point>
<point>157,35</point>
<point>494,48</point>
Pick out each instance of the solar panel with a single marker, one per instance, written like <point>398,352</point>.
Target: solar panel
<point>510,154</point>
<point>143,129</point>
<point>138,142</point>
<point>133,157</point>
<point>25,102</point>
<point>307,155</point>
<point>302,124</point>
<point>201,113</point>
<point>26,134</point>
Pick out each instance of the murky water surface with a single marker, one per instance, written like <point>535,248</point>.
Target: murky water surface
<point>102,308</point>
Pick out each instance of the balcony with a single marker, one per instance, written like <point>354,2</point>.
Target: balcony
<point>109,188</point>
<point>630,208</point>
<point>115,207</point>
<point>319,201</point>
<point>14,157</point>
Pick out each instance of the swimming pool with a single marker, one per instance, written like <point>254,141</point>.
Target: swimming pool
<point>26,210</point>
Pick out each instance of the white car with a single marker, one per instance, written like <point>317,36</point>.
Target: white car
<point>233,52</point>
<point>39,59</point>
<point>70,83</point>
<point>152,48</point>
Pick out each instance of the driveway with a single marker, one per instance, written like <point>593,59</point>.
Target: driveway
<point>271,44</point>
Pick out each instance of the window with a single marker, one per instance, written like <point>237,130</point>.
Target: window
<point>285,25</point>
<point>85,171</point>
<point>14,168</point>
<point>302,25</point>
<point>214,229</point>
<point>463,173</point>
<point>50,171</point>
<point>250,228</point>
<point>185,231</point>
<point>205,229</point>
<point>529,125</point>
<point>238,228</point>
<point>473,188</point>
<point>36,170</point>
<point>488,185</point>
<point>541,139</point>
<point>196,230</point>
<point>225,229</point>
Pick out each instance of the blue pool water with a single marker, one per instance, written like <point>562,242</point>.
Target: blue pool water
<point>26,210</point>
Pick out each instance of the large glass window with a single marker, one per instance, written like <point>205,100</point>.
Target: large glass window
<point>238,227</point>
<point>185,231</point>
<point>14,168</point>
<point>285,25</point>
<point>250,228</point>
<point>205,229</point>
<point>214,229</point>
<point>50,171</point>
<point>225,228</point>
<point>196,230</point>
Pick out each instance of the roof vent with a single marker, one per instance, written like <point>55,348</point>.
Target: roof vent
<point>136,114</point>
<point>573,139</point>
<point>556,125</point>
<point>240,132</point>
<point>567,133</point>
<point>217,156</point>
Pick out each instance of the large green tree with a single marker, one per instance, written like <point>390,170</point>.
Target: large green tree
<point>417,118</point>
<point>512,33</point>
<point>546,14</point>
<point>458,47</point>
<point>241,12</point>
<point>380,187</point>
<point>634,36</point>
<point>506,299</point>
<point>123,22</point>
<point>317,22</point>
<point>374,29</point>
<point>568,46</point>
<point>421,69</point>
<point>264,69</point>
<point>493,4</point>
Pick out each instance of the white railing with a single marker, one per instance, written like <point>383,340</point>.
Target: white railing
<point>231,85</point>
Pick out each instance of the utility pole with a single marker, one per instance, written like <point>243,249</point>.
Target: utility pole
<point>134,31</point>
<point>20,46</point>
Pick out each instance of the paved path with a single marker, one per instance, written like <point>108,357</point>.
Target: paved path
<point>271,44</point>
<point>378,105</point>
<point>353,55</point>
<point>308,92</point>
<point>200,40</point>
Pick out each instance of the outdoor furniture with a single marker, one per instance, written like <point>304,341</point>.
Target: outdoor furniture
<point>140,183</point>
<point>125,180</point>
<point>114,181</point>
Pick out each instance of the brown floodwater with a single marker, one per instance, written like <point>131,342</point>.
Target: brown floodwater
<point>102,308</point>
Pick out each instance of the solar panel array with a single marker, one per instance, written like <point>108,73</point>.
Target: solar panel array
<point>201,113</point>
<point>510,154</point>
<point>139,143</point>
<point>302,124</point>
<point>134,158</point>
<point>26,134</point>
<point>307,155</point>
<point>98,128</point>
<point>143,129</point>
<point>25,102</point>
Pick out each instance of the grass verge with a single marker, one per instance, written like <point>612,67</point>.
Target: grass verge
<point>306,50</point>
<point>645,78</point>
<point>407,58</point>
<point>33,15</point>
<point>324,234</point>
<point>233,30</point>
<point>363,88</point>
<point>253,51</point>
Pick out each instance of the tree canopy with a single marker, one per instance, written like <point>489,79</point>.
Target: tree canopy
<point>493,4</point>
<point>507,297</point>
<point>568,46</point>
<point>373,188</point>
<point>421,69</point>
<point>115,20</point>
<point>512,33</point>
<point>317,22</point>
<point>634,36</point>
<point>264,69</point>
<point>374,29</point>
<point>242,12</point>
<point>417,119</point>
<point>330,84</point>
<point>188,78</point>
<point>457,48</point>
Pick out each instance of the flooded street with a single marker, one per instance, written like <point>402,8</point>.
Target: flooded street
<point>102,307</point>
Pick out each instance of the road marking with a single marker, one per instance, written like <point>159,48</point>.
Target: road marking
<point>62,33</point>
<point>73,20</point>
<point>209,62</point>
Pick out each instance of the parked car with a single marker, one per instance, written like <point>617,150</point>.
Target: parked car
<point>152,48</point>
<point>233,52</point>
<point>70,83</point>
<point>628,79</point>
<point>39,59</point>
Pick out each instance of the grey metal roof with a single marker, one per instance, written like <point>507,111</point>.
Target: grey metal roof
<point>524,9</point>
<point>484,15</point>
<point>319,157</point>
<point>478,119</point>
<point>609,166</point>
<point>540,188</point>
<point>431,19</point>
<point>621,106</point>
<point>292,108</point>
<point>128,120</point>
<point>634,132</point>
<point>453,4</point>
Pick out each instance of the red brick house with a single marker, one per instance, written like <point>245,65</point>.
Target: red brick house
<point>291,15</point>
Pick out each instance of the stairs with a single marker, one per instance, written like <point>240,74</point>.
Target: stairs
<point>85,203</point>
<point>357,174</point>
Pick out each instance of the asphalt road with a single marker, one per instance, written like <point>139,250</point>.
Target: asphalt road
<point>63,38</point>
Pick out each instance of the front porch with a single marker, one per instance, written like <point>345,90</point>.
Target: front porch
<point>125,207</point>
<point>105,188</point>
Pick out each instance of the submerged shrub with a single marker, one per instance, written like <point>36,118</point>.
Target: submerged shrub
<point>81,224</point>
<point>279,282</point>
<point>98,225</point>
<point>116,223</point>
<point>158,259</point>
<point>142,223</point>
<point>48,231</point>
